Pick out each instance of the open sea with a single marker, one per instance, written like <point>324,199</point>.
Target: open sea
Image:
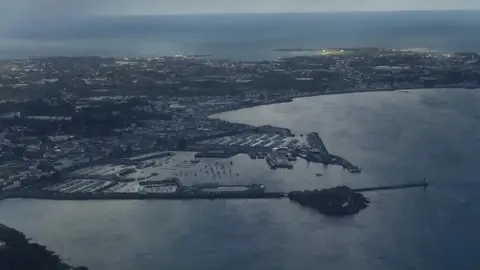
<point>395,137</point>
<point>237,36</point>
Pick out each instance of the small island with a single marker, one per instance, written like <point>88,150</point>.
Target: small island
<point>18,253</point>
<point>337,201</point>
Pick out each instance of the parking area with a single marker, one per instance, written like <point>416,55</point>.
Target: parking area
<point>79,185</point>
<point>254,140</point>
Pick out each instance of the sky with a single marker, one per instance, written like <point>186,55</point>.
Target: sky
<point>220,6</point>
<point>13,9</point>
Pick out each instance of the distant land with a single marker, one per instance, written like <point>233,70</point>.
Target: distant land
<point>231,36</point>
<point>362,50</point>
<point>325,49</point>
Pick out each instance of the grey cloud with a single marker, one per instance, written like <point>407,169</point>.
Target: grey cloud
<point>13,9</point>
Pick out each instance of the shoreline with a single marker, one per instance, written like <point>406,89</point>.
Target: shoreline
<point>339,92</point>
<point>19,252</point>
<point>46,195</point>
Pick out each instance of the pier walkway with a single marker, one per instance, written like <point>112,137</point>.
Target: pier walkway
<point>403,186</point>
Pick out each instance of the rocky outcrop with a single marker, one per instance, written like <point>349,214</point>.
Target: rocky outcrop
<point>337,201</point>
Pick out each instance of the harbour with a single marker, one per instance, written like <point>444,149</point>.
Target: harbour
<point>278,150</point>
<point>147,233</point>
<point>149,175</point>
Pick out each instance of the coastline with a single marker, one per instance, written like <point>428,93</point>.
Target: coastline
<point>336,92</point>
<point>17,252</point>
<point>51,196</point>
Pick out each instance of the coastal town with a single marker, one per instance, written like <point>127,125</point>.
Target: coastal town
<point>261,135</point>
<point>92,125</point>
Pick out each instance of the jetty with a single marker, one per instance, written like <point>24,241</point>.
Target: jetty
<point>278,158</point>
<point>423,184</point>
<point>318,153</point>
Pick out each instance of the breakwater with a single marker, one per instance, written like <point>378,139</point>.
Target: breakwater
<point>184,194</point>
<point>336,201</point>
<point>144,196</point>
<point>392,187</point>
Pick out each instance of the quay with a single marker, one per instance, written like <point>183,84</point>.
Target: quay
<point>212,153</point>
<point>273,147</point>
<point>278,158</point>
<point>318,150</point>
<point>344,163</point>
<point>318,153</point>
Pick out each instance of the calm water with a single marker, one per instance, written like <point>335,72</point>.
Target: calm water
<point>394,136</point>
<point>242,36</point>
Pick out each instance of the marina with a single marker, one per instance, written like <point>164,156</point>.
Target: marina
<point>185,175</point>
<point>278,150</point>
<point>198,174</point>
<point>152,173</point>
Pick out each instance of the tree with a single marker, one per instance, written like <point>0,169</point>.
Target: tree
<point>46,167</point>
<point>19,151</point>
<point>182,144</point>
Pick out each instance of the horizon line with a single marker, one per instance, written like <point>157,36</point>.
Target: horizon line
<point>284,12</point>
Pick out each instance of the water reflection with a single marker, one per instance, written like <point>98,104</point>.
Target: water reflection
<point>395,137</point>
